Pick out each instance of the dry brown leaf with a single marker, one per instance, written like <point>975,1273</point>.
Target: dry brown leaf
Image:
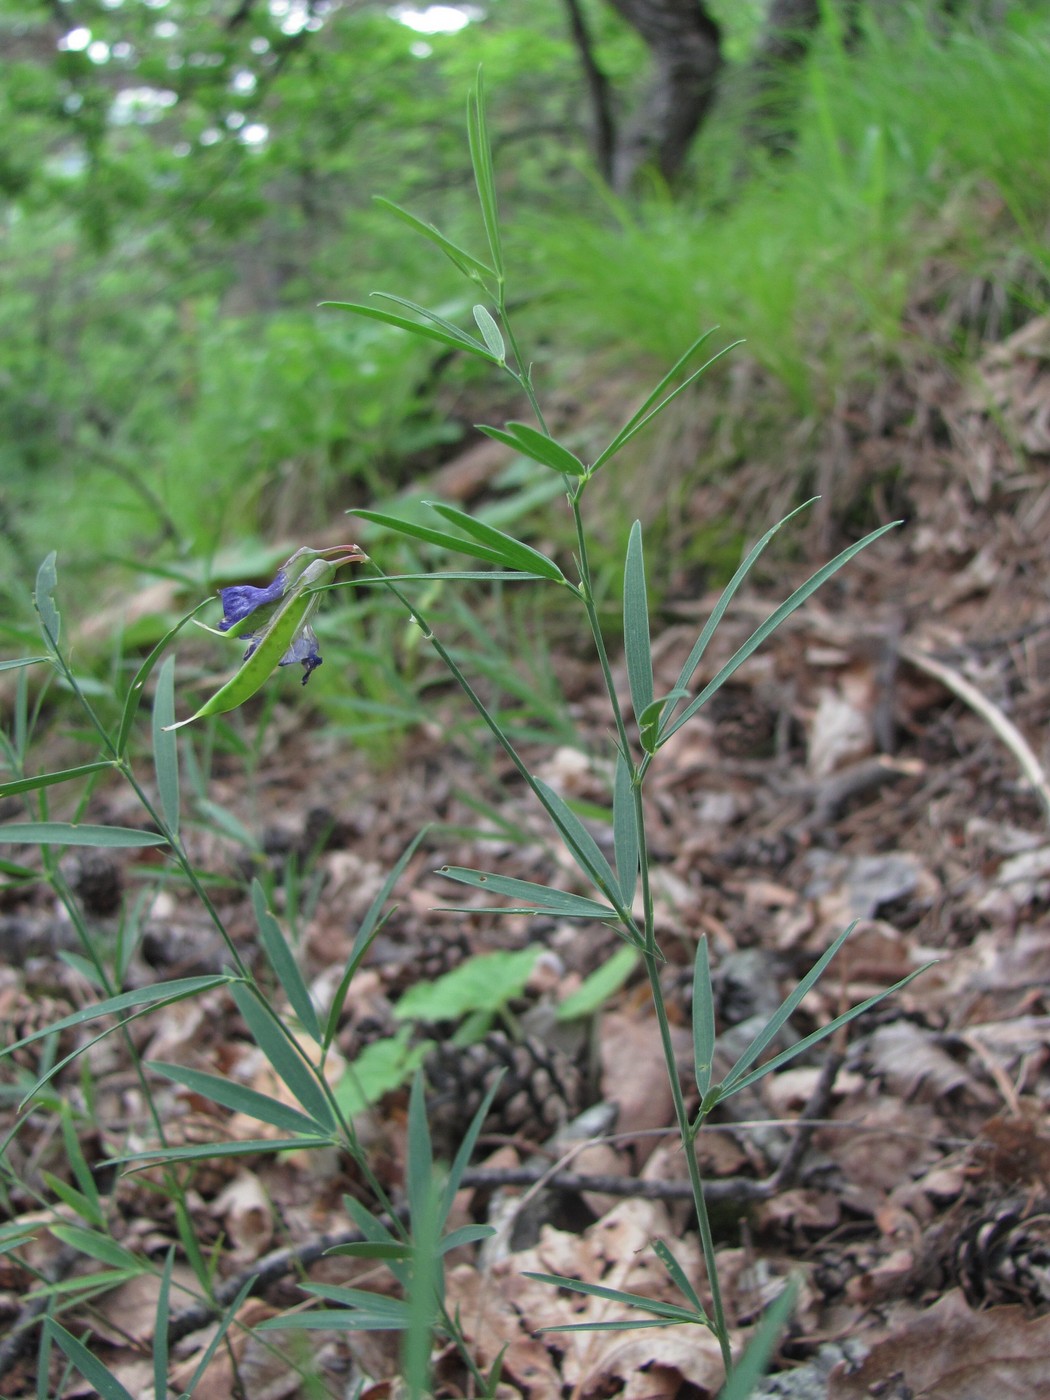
<point>951,1352</point>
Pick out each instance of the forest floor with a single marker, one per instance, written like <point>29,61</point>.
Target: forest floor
<point>867,764</point>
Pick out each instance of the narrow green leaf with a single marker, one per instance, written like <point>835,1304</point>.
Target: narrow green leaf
<point>594,991</point>
<point>160,1328</point>
<point>651,407</point>
<point>96,1245</point>
<point>93,1371</point>
<point>136,689</point>
<point>419,1171</point>
<point>703,1018</point>
<point>22,661</point>
<point>807,1043</point>
<point>358,1298</point>
<point>426,1282</point>
<point>650,719</point>
<point>165,746</point>
<point>240,1098</point>
<point>276,1044</point>
<point>633,1325</point>
<point>669,1311</point>
<point>484,175</point>
<point>44,601</point>
<point>76,834</point>
<point>205,1151</point>
<point>282,960</point>
<point>225,1323</point>
<point>771,624</point>
<point>581,843</point>
<point>63,775</point>
<point>441,538</point>
<point>626,839</point>
<point>678,1276</point>
<point>491,333</point>
<point>545,450</point>
<point>466,1234</point>
<point>373,1249</point>
<point>727,595</point>
<point>76,1200</point>
<point>159,994</point>
<point>636,624</point>
<point>546,900</point>
<point>751,1367</point>
<point>458,341</point>
<point>466,262</point>
<point>374,1319</point>
<point>514,553</point>
<point>366,932</point>
<point>464,1154</point>
<point>81,1171</point>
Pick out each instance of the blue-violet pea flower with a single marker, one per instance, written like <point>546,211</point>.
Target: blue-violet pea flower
<point>250,609</point>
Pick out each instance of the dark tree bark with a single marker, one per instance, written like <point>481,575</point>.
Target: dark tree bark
<point>599,90</point>
<point>686,49</point>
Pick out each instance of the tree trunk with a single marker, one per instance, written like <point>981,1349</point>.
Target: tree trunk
<point>685,43</point>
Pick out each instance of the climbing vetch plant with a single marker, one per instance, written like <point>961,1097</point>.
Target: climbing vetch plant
<point>620,894</point>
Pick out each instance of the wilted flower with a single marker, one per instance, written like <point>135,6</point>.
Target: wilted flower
<point>244,603</point>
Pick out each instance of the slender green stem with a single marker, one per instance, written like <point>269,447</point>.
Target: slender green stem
<point>652,967</point>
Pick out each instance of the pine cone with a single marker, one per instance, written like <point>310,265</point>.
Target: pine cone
<point>540,1090</point>
<point>1004,1255</point>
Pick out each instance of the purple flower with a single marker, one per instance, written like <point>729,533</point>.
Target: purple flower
<point>242,601</point>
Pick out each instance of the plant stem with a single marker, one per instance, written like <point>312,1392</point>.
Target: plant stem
<point>652,968</point>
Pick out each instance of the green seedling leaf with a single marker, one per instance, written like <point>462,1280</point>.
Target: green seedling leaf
<point>44,601</point>
<point>703,1018</point>
<point>513,553</point>
<point>165,747</point>
<point>528,441</point>
<point>279,1048</point>
<point>85,1179</point>
<point>594,991</point>
<point>282,960</point>
<point>76,834</point>
<point>751,1367</point>
<point>93,1371</point>
<point>467,263</point>
<point>453,337</point>
<point>484,174</point>
<point>76,1200</point>
<point>771,624</point>
<point>626,838</point>
<point>668,1313</point>
<point>42,780</point>
<point>542,899</point>
<point>162,993</point>
<point>486,982</point>
<point>636,625</point>
<point>426,1282</point>
<point>240,1099</point>
<point>22,661</point>
<point>491,333</point>
<point>381,1067</point>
